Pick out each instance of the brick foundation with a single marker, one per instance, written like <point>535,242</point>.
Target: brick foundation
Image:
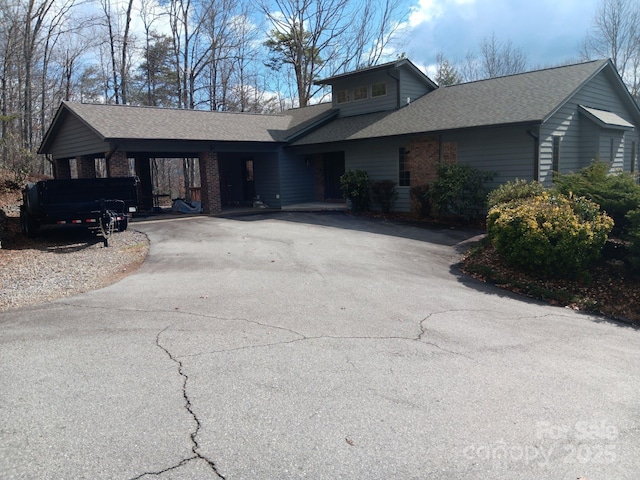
<point>118,165</point>
<point>63,169</point>
<point>86,167</point>
<point>210,182</point>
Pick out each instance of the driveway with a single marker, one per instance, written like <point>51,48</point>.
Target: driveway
<point>296,345</point>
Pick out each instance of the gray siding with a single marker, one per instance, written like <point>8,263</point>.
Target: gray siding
<point>75,138</point>
<point>267,184</point>
<point>582,139</point>
<point>376,104</point>
<point>410,88</point>
<point>379,158</point>
<point>296,177</point>
<point>508,151</point>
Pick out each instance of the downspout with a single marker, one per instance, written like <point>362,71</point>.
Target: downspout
<point>397,79</point>
<point>535,134</point>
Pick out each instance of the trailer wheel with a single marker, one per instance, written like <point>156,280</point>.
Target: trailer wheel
<point>123,224</point>
<point>28,225</point>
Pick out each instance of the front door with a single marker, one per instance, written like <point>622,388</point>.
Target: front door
<point>249,183</point>
<point>333,168</point>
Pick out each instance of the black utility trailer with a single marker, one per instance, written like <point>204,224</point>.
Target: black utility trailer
<point>78,202</point>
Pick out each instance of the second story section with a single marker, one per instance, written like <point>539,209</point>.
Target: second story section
<point>375,89</point>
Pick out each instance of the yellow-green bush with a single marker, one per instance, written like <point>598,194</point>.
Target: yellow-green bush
<point>549,233</point>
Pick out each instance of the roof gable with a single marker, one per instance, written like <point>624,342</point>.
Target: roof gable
<point>527,98</point>
<point>109,123</point>
<point>405,65</point>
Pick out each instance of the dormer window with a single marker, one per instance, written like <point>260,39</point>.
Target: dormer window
<point>360,93</point>
<point>342,96</point>
<point>379,90</point>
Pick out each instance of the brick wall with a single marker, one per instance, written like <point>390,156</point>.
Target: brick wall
<point>86,167</point>
<point>63,169</point>
<point>118,165</point>
<point>210,182</point>
<point>423,160</point>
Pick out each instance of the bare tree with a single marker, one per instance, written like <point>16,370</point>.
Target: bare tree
<point>315,37</point>
<point>499,58</point>
<point>447,73</point>
<point>615,34</point>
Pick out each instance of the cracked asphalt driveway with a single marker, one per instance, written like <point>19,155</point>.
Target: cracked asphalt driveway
<point>297,345</point>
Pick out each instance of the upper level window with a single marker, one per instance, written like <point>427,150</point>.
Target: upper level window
<point>360,93</point>
<point>379,90</point>
<point>342,96</point>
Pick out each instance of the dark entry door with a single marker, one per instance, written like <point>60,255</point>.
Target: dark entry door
<point>333,167</point>
<point>249,183</point>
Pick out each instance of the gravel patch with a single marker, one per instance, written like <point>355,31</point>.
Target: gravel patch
<point>60,264</point>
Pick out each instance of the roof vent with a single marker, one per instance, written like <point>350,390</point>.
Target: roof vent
<point>408,100</point>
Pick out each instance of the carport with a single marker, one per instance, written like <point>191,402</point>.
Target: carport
<point>238,155</point>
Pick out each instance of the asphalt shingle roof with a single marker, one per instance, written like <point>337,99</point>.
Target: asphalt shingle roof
<point>517,99</point>
<point>524,98</point>
<point>147,123</point>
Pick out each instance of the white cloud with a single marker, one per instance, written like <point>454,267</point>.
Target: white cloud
<point>426,11</point>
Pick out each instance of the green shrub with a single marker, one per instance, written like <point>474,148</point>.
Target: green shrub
<point>549,233</point>
<point>617,193</point>
<point>634,236</point>
<point>515,190</point>
<point>355,188</point>
<point>384,194</point>
<point>460,190</point>
<point>422,198</point>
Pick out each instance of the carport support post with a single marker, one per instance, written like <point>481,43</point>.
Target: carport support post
<point>86,166</point>
<point>145,189</point>
<point>118,164</point>
<point>210,182</point>
<point>63,169</point>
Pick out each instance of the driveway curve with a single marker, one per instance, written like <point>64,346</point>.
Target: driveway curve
<point>320,346</point>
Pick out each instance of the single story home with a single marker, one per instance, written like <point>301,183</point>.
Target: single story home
<point>390,120</point>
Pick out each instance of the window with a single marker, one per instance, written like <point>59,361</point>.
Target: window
<point>404,175</point>
<point>342,96</point>
<point>360,93</point>
<point>612,153</point>
<point>379,90</point>
<point>555,154</point>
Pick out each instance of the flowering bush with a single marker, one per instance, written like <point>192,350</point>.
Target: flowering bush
<point>549,233</point>
<point>513,191</point>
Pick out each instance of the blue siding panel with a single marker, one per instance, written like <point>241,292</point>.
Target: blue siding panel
<point>75,138</point>
<point>582,139</point>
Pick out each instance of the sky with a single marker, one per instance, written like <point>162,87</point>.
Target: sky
<point>548,31</point>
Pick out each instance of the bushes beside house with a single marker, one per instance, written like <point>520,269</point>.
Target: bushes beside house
<point>561,231</point>
<point>362,192</point>
<point>458,191</point>
<point>549,232</point>
<point>355,186</point>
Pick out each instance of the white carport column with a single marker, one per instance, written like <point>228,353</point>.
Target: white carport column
<point>210,182</point>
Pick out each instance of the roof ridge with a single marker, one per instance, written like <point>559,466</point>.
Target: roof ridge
<point>602,60</point>
<point>175,109</point>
